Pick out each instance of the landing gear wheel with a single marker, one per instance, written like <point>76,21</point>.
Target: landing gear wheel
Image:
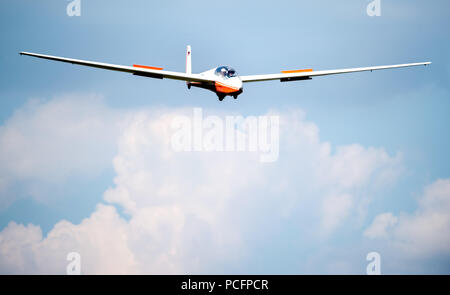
<point>221,97</point>
<point>235,96</point>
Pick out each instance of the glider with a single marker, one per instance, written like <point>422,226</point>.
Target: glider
<point>222,80</point>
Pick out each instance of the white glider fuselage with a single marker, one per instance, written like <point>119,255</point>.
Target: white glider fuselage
<point>226,82</point>
<point>222,80</point>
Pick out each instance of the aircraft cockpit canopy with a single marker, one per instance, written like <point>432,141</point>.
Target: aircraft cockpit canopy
<point>225,72</point>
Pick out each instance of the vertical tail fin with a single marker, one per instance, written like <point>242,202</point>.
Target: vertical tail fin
<point>188,60</point>
<point>188,64</point>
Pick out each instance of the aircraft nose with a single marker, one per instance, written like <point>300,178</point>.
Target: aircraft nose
<point>240,84</point>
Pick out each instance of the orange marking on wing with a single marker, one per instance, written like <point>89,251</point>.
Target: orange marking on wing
<point>220,87</point>
<point>297,71</point>
<point>147,67</point>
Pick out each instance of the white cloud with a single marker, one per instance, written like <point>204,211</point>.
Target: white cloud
<point>335,209</point>
<point>16,245</point>
<point>188,211</point>
<point>45,143</point>
<point>423,233</point>
<point>101,240</point>
<point>380,225</point>
<point>427,231</point>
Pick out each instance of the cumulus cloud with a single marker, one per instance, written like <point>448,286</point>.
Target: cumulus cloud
<point>45,143</point>
<point>335,208</point>
<point>422,234</point>
<point>186,212</point>
<point>380,225</point>
<point>428,229</point>
<point>101,240</point>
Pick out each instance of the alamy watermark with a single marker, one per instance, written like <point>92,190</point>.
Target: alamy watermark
<point>374,8</point>
<point>74,266</point>
<point>74,8</point>
<point>230,134</point>
<point>374,266</point>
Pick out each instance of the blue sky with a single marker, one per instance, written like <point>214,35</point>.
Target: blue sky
<point>61,171</point>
